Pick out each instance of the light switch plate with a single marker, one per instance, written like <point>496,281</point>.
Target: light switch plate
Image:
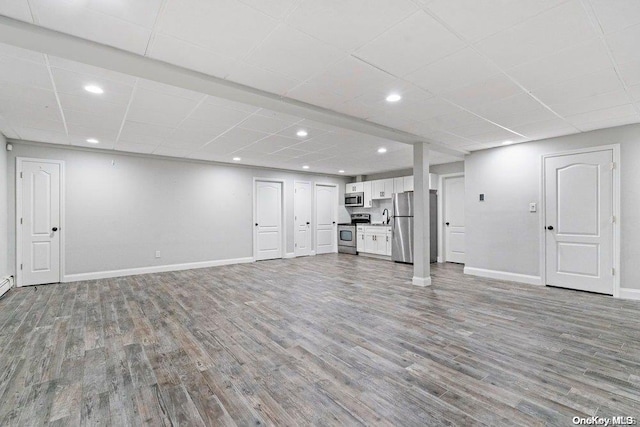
<point>533,207</point>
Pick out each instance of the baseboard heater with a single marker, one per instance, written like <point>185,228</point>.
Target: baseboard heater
<point>5,285</point>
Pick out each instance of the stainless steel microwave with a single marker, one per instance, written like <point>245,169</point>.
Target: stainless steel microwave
<point>354,199</point>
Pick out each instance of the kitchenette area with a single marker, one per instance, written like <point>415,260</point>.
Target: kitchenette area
<point>381,213</point>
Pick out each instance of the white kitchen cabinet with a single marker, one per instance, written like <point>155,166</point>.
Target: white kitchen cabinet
<point>374,240</point>
<point>382,189</point>
<point>354,187</point>
<point>408,183</point>
<point>398,185</point>
<point>368,193</point>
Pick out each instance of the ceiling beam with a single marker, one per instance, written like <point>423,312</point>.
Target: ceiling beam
<point>33,37</point>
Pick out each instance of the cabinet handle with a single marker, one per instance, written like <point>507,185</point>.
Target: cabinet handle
<point>387,238</point>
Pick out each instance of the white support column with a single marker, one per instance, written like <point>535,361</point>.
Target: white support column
<point>421,238</point>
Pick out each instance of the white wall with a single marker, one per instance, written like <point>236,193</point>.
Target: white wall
<point>502,235</point>
<point>118,215</point>
<point>4,244</point>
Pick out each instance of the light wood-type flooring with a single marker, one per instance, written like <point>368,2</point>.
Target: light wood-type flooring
<point>325,340</point>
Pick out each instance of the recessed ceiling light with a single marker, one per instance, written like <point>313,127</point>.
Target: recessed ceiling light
<point>507,143</point>
<point>340,171</point>
<point>302,133</point>
<point>93,141</point>
<point>394,97</point>
<point>236,159</point>
<point>305,167</point>
<point>382,150</point>
<point>94,89</point>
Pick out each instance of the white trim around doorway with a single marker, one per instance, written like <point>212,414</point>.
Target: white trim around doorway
<point>283,219</point>
<point>441,198</point>
<point>315,215</point>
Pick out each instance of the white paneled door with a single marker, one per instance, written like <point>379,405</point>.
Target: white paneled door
<point>39,222</point>
<point>454,231</point>
<point>302,218</point>
<point>268,220</point>
<point>326,217</point>
<point>579,221</point>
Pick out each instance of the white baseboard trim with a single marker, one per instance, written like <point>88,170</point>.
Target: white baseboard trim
<point>503,275</point>
<point>7,283</point>
<point>421,281</point>
<point>626,293</point>
<point>313,253</point>
<point>289,255</point>
<point>154,269</point>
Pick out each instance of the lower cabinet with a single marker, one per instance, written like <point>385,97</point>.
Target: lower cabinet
<point>374,240</point>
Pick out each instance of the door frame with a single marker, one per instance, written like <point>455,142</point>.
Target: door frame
<point>441,201</point>
<point>61,228</point>
<point>615,148</point>
<point>311,205</point>
<point>283,218</point>
<point>315,214</point>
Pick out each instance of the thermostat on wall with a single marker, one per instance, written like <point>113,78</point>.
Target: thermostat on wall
<point>482,197</point>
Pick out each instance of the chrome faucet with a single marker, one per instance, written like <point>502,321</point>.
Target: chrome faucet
<point>385,213</point>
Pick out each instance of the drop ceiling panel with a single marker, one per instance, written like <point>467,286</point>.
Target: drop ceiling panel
<point>546,128</point>
<point>598,102</point>
<point>143,133</point>
<point>616,15</point>
<point>18,9</point>
<point>158,108</point>
<point>23,72</point>
<point>133,147</point>
<point>23,54</point>
<point>477,19</point>
<point>227,27</point>
<point>484,92</point>
<point>292,53</point>
<point>630,73</point>
<point>348,24</point>
<point>89,70</point>
<point>265,124</point>
<point>542,35</point>
<point>260,78</point>
<point>207,114</point>
<point>624,44</point>
<point>73,83</point>
<point>171,151</point>
<point>410,44</point>
<point>582,86</point>
<point>459,69</point>
<point>617,114</point>
<point>74,18</point>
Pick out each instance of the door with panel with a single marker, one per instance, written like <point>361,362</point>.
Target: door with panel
<point>302,218</point>
<point>326,217</point>
<point>579,221</point>
<point>268,220</point>
<point>454,230</point>
<point>40,227</point>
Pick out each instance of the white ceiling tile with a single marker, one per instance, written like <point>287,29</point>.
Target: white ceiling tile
<point>275,8</point>
<point>191,138</point>
<point>598,102</point>
<point>17,9</point>
<point>40,135</point>
<point>188,55</point>
<point>73,83</point>
<point>351,77</point>
<point>272,144</point>
<point>349,24</point>
<point>514,111</point>
<point>609,122</point>
<point>312,132</point>
<point>546,128</point>
<point>317,95</point>
<point>484,92</point>
<point>170,90</point>
<point>217,116</point>
<point>452,120</point>
<point>227,27</point>
<point>92,105</point>
<point>476,19</point>
<point>356,108</point>
<point>90,70</point>
<point>624,44</point>
<point>260,78</point>
<point>265,124</point>
<point>140,12</point>
<point>617,14</point>
<point>564,25</point>
<point>417,41</point>
<point>71,17</point>
<point>221,102</point>
<point>482,127</point>
<point>144,133</point>
<point>29,95</point>
<point>317,144</point>
<point>278,116</point>
<point>582,86</point>
<point>23,72</point>
<point>606,115</point>
<point>149,106</point>
<point>630,73</point>
<point>292,53</point>
<point>89,120</point>
<point>80,141</point>
<point>563,65</point>
<point>634,91</point>
<point>462,68</point>
<point>235,138</point>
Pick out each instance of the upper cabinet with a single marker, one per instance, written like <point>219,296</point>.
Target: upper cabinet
<point>382,189</point>
<point>354,187</point>
<point>398,185</point>
<point>368,194</point>
<point>408,183</point>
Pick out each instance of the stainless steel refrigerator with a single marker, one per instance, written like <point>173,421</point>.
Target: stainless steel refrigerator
<point>402,227</point>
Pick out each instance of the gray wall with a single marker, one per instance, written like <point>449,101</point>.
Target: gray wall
<point>501,233</point>
<point>4,244</point>
<point>118,214</point>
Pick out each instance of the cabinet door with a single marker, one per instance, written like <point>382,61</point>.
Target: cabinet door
<point>408,183</point>
<point>369,242</point>
<point>378,189</point>
<point>388,251</point>
<point>388,188</point>
<point>354,187</point>
<point>381,242</point>
<point>360,239</point>
<point>368,193</point>
<point>398,185</point>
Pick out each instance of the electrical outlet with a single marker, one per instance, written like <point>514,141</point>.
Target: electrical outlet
<point>533,207</point>
<point>157,254</point>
